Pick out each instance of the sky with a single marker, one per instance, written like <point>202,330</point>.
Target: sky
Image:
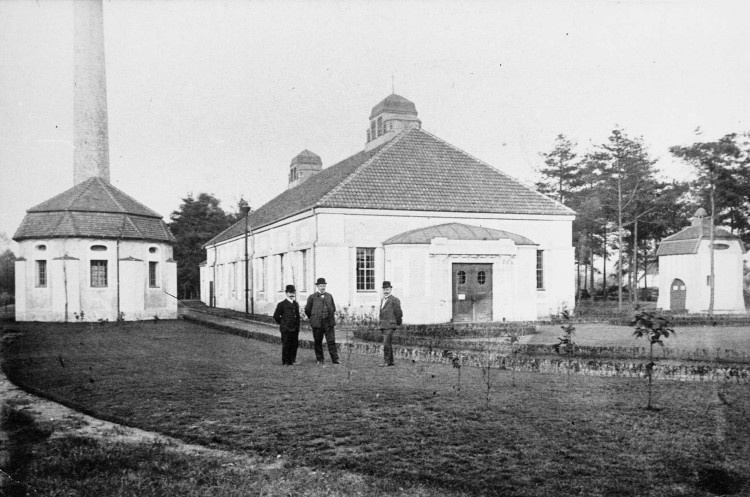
<point>218,96</point>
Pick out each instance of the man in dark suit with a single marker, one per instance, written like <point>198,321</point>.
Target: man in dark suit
<point>390,319</point>
<point>287,315</point>
<point>321,310</point>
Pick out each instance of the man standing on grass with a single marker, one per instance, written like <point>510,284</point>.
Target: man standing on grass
<point>287,316</point>
<point>321,310</point>
<point>390,319</point>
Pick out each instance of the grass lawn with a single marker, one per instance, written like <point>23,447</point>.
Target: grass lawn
<point>408,425</point>
<point>687,338</point>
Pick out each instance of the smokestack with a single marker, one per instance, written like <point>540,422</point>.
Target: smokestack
<point>91,138</point>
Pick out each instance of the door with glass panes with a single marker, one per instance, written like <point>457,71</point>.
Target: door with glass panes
<point>472,292</point>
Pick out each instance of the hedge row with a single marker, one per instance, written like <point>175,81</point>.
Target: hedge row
<point>695,320</point>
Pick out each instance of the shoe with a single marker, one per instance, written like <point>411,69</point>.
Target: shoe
<point>321,363</point>
<point>391,364</point>
<point>293,364</point>
<point>383,364</point>
<point>336,362</point>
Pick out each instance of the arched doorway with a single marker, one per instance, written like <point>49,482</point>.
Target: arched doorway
<point>677,294</point>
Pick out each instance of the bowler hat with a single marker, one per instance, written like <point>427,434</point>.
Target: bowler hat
<point>290,289</point>
<point>321,281</point>
<point>387,284</point>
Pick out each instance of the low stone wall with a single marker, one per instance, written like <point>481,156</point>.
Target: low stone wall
<point>711,372</point>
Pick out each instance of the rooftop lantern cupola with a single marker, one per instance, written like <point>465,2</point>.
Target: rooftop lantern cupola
<point>388,118</point>
<point>304,165</point>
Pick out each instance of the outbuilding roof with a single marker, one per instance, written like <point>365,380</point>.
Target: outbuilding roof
<point>688,240</point>
<point>413,171</point>
<point>455,231</point>
<point>93,209</point>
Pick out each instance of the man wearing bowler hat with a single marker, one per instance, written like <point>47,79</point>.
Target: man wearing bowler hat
<point>321,310</point>
<point>287,316</point>
<point>390,319</point>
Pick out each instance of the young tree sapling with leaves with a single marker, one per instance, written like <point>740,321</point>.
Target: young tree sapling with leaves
<point>653,327</point>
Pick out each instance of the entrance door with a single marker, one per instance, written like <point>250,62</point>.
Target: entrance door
<point>472,292</point>
<point>677,294</point>
<point>211,296</point>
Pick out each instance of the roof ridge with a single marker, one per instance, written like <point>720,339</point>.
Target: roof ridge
<point>118,204</point>
<point>363,166</point>
<point>60,221</point>
<point>508,176</point>
<point>128,220</point>
<point>110,185</point>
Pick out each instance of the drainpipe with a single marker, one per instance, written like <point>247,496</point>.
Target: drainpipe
<point>315,250</point>
<point>117,254</point>
<point>212,297</point>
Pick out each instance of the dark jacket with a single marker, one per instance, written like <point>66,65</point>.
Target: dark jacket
<point>390,314</point>
<point>320,308</point>
<point>287,315</point>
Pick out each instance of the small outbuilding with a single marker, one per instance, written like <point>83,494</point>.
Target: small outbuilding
<point>685,269</point>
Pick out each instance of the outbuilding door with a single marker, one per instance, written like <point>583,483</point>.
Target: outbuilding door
<point>472,292</point>
<point>677,294</point>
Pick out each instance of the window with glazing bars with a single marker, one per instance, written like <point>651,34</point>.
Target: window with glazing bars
<point>98,273</point>
<point>41,273</point>
<point>540,269</point>
<point>152,281</point>
<point>365,269</point>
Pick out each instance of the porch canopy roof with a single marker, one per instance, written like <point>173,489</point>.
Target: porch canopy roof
<point>455,231</point>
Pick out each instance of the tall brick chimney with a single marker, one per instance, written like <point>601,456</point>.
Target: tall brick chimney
<point>90,134</point>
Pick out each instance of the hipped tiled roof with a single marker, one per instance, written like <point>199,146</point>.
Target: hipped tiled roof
<point>414,171</point>
<point>455,231</point>
<point>688,240</point>
<point>93,209</point>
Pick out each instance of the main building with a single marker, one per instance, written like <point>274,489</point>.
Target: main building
<point>459,239</point>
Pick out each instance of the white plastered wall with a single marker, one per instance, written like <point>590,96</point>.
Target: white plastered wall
<point>68,286</point>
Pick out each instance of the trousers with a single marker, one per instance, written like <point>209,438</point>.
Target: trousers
<point>325,330</point>
<point>289,343</point>
<point>387,346</point>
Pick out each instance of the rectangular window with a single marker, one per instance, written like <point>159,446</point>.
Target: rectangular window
<point>281,272</point>
<point>99,274</point>
<point>540,269</point>
<point>262,275</point>
<point>380,126</point>
<point>303,279</point>
<point>365,269</point>
<point>153,281</point>
<point>41,273</point>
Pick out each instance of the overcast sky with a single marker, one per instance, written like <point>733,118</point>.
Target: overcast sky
<point>218,96</point>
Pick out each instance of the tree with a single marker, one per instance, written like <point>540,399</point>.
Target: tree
<point>653,327</point>
<point>195,223</point>
<point>624,175</point>
<point>716,164</point>
<point>560,178</point>
<point>7,273</point>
